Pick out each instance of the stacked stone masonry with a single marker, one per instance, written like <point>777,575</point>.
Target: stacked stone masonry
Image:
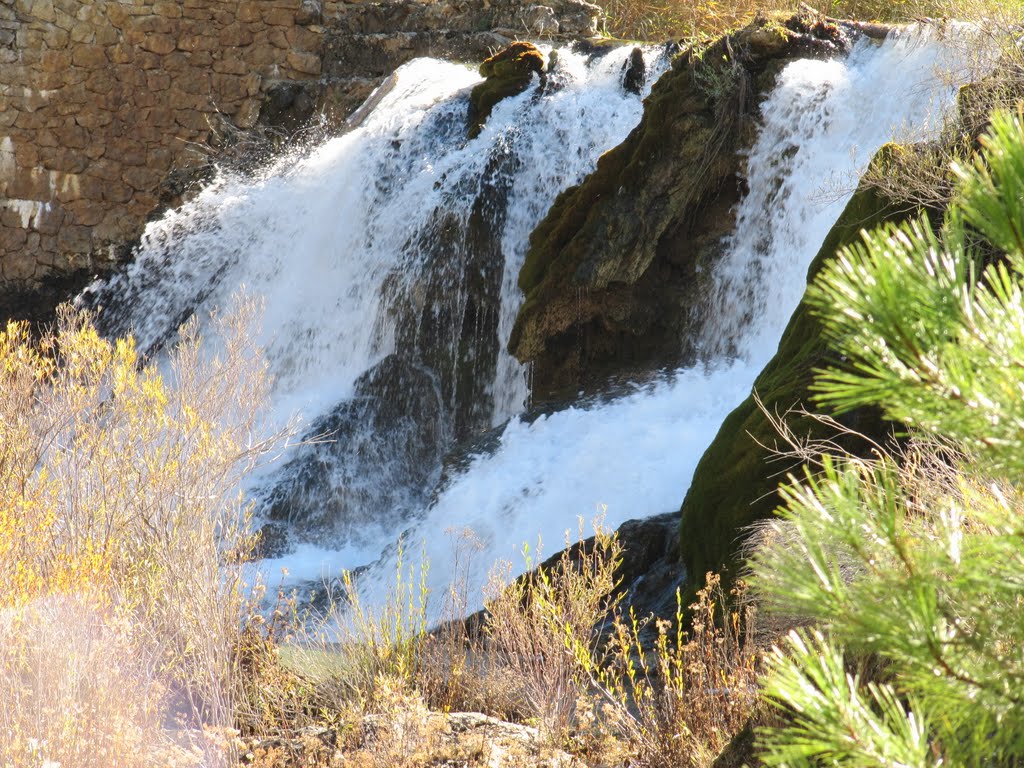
<point>101,100</point>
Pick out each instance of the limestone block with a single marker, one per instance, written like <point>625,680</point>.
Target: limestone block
<point>153,25</point>
<point>228,88</point>
<point>76,239</point>
<point>195,83</point>
<point>41,10</point>
<point>247,113</point>
<point>235,35</point>
<point>305,38</point>
<point>50,81</point>
<point>29,121</point>
<point>121,53</point>
<point>87,213</point>
<point>306,63</point>
<point>67,161</point>
<point>106,35</point>
<point>230,66</point>
<point>176,62</point>
<point>89,56</point>
<point>263,56</point>
<point>18,266</point>
<point>100,81</point>
<point>169,10</point>
<point>46,139</point>
<point>48,220</point>
<point>248,11</point>
<point>28,156</point>
<point>158,81</point>
<point>12,238</point>
<point>147,60</point>
<point>279,17</point>
<point>83,32</point>
<point>30,184</point>
<point>277,38</point>
<point>55,38</point>
<point>252,82</point>
<point>55,61</point>
<point>65,20</point>
<point>72,135</point>
<point>128,152</point>
<point>159,159</point>
<point>179,100</point>
<point>195,120</point>
<point>117,192</point>
<point>141,178</point>
<point>160,44</point>
<point>145,202</point>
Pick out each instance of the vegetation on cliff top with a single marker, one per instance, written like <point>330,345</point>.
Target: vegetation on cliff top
<point>659,20</point>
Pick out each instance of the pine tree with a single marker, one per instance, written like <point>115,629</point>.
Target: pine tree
<point>916,560</point>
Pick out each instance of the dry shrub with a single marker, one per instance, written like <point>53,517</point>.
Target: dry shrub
<point>681,702</point>
<point>538,624</point>
<point>77,691</point>
<point>119,483</point>
<point>661,20</point>
<point>688,21</point>
<point>593,680</point>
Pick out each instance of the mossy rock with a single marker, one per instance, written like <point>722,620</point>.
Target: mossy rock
<point>508,73</point>
<point>614,271</point>
<point>736,481</point>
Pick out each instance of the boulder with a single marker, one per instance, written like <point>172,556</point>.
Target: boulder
<point>508,73</point>
<point>615,271</point>
<point>735,481</point>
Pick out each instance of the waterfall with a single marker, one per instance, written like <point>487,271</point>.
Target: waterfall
<point>821,126</point>
<point>388,260</point>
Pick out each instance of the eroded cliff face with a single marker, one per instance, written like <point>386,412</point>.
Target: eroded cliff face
<point>616,272</point>
<point>112,109</point>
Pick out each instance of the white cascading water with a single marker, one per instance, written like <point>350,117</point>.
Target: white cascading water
<point>334,243</point>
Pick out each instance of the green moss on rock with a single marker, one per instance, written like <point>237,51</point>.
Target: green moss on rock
<point>615,270</point>
<point>508,73</point>
<point>735,482</point>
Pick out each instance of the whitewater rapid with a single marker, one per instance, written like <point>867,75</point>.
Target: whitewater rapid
<point>635,457</point>
<point>334,243</point>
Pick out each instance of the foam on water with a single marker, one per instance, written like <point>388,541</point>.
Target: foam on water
<point>821,126</point>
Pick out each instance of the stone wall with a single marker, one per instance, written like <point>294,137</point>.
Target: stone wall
<point>102,102</point>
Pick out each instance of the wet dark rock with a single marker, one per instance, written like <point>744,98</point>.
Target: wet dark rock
<point>287,105</point>
<point>384,446</point>
<point>377,453</point>
<point>634,75</point>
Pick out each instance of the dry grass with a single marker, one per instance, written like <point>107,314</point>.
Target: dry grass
<point>701,20</point>
<point>119,510</point>
<point>678,703</point>
<point>554,654</point>
<point>539,623</point>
